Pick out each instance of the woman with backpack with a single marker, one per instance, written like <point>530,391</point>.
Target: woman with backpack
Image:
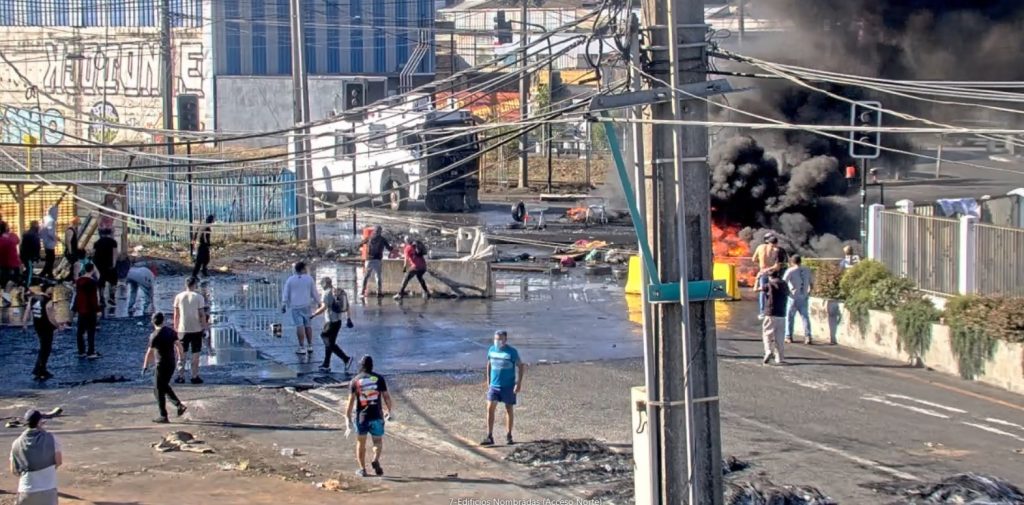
<point>415,266</point>
<point>334,303</point>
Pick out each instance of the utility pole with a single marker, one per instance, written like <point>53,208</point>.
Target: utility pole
<point>743,20</point>
<point>300,99</point>
<point>167,93</point>
<point>678,215</point>
<point>524,99</point>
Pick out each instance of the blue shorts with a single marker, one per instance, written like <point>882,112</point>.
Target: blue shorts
<point>503,395</point>
<point>302,317</point>
<point>374,428</point>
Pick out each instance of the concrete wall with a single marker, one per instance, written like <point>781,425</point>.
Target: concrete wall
<point>467,279</point>
<point>65,80</point>
<point>831,320</point>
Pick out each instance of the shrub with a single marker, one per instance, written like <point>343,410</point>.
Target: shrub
<point>914,320</point>
<point>827,275</point>
<point>862,277</point>
<point>968,319</point>
<point>1006,321</point>
<point>886,294</point>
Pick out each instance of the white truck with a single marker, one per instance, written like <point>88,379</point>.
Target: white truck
<point>398,151</point>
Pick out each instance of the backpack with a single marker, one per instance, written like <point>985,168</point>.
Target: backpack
<point>420,248</point>
<point>340,303</point>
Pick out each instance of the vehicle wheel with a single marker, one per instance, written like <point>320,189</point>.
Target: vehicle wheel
<point>454,203</point>
<point>519,212</point>
<point>471,201</point>
<point>434,203</point>
<point>396,196</point>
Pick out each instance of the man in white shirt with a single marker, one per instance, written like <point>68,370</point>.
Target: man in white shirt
<point>35,456</point>
<point>800,280</point>
<point>299,296</point>
<point>190,323</point>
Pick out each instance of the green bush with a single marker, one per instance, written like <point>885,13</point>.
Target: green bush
<point>862,276</point>
<point>914,320</point>
<point>1006,321</point>
<point>969,319</point>
<point>886,294</point>
<point>827,275</point>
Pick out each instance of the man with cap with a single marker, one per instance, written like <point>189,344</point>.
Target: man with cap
<point>35,457</point>
<point>165,346</point>
<point>368,396</point>
<point>44,320</point>
<point>769,258</point>
<point>503,383</point>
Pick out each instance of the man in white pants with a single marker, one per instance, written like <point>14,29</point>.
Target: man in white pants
<point>774,318</point>
<point>141,277</point>
<point>299,297</point>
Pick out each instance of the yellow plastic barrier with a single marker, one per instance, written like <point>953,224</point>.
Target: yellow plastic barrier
<point>722,271</point>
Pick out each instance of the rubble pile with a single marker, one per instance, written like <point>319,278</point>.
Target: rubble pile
<point>766,493</point>
<point>960,489</point>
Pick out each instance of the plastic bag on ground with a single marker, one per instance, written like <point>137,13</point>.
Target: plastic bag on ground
<point>960,489</point>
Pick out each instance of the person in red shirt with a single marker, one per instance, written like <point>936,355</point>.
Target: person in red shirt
<point>87,306</point>
<point>10,260</point>
<point>415,266</point>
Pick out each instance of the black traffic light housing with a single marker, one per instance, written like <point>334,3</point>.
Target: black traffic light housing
<point>188,113</point>
<point>866,144</point>
<point>502,28</point>
<point>355,95</point>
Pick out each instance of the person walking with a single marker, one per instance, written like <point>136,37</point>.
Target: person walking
<point>105,258</point>
<point>10,258</point>
<point>48,234</point>
<point>415,266</point>
<point>35,457</point>
<point>334,304</point>
<point>799,283</point>
<point>28,250</point>
<point>190,323</point>
<point>201,239</point>
<point>774,318</point>
<point>374,265</point>
<point>167,350</point>
<point>297,297</point>
<point>369,397</point>
<point>44,321</point>
<point>503,384</point>
<point>769,258</point>
<point>849,258</point>
<point>72,252</point>
<point>141,278</point>
<point>88,308</point>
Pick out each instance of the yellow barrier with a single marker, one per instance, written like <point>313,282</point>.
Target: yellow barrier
<point>722,272</point>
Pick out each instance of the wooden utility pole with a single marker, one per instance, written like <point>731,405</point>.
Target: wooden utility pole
<point>300,113</point>
<point>524,98</point>
<point>678,216</point>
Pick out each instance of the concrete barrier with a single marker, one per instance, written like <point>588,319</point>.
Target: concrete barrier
<point>466,279</point>
<point>829,319</point>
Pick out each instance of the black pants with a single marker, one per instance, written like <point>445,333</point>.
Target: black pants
<point>9,275</point>
<point>86,326</point>
<point>162,388</point>
<point>72,265</point>
<point>50,256</point>
<point>45,348</point>
<point>108,288</point>
<point>29,273</point>
<point>330,338</point>
<point>202,261</point>
<point>418,274</point>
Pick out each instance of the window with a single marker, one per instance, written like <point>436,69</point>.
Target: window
<point>378,136</point>
<point>32,13</point>
<point>356,33</point>
<point>284,43</point>
<point>234,37</point>
<point>259,38</point>
<point>89,13</point>
<point>333,38</point>
<point>309,39</point>
<point>344,144</point>
<point>147,13</point>
<point>115,13</point>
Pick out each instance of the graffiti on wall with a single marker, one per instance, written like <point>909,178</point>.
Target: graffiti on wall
<point>101,115</point>
<point>123,69</point>
<point>45,125</point>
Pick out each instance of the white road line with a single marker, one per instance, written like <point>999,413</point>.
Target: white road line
<point>919,410</point>
<point>997,431</point>
<point>1004,423</point>
<point>826,448</point>
<point>930,404</point>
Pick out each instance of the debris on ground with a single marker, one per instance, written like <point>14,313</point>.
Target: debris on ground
<point>110,379</point>
<point>17,422</point>
<point>182,441</point>
<point>242,466</point>
<point>764,492</point>
<point>960,489</point>
<point>732,464</point>
<point>332,485</point>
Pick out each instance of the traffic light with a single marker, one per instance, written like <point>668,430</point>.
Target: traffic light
<point>355,95</point>
<point>188,113</point>
<point>866,144</point>
<point>502,28</point>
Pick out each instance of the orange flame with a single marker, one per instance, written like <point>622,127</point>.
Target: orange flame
<point>730,248</point>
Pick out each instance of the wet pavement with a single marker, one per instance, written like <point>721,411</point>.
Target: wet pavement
<point>560,318</point>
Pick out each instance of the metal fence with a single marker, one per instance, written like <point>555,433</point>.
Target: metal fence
<point>999,268</point>
<point>923,249</point>
<point>240,199</point>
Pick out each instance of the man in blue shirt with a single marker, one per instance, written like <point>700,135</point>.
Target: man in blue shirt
<point>502,383</point>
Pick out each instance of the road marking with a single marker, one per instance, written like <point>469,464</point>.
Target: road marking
<point>930,404</point>
<point>827,448</point>
<point>1004,423</point>
<point>878,399</point>
<point>997,431</point>
<point>819,385</point>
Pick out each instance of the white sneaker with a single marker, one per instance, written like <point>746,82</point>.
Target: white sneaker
<point>309,350</point>
<point>301,350</point>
